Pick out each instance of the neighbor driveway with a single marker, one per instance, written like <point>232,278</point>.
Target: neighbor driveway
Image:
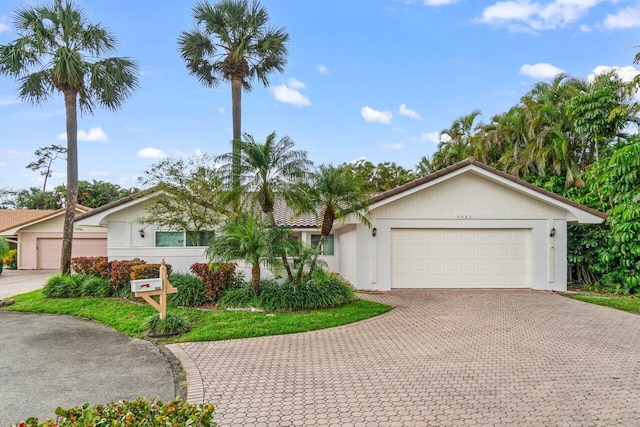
<point>15,282</point>
<point>441,357</point>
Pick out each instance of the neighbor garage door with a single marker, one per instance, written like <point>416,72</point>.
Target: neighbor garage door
<point>49,250</point>
<point>460,258</point>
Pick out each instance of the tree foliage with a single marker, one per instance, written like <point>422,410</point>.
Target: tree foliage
<point>45,158</point>
<point>58,51</point>
<point>193,195</point>
<point>233,41</point>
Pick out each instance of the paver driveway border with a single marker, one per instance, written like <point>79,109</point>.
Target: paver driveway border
<point>441,357</point>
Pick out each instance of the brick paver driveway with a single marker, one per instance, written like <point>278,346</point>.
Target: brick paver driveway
<point>439,358</point>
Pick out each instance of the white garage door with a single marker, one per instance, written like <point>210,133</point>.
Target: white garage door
<point>49,250</point>
<point>460,258</point>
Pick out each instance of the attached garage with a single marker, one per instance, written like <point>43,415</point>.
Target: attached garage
<point>466,226</point>
<point>49,250</point>
<point>39,240</point>
<point>460,258</point>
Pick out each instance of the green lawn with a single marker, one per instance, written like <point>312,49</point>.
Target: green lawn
<point>207,325</point>
<point>620,302</point>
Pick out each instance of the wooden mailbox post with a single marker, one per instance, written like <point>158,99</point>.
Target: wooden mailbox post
<point>165,289</point>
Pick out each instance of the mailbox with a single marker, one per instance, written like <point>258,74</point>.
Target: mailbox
<point>146,285</point>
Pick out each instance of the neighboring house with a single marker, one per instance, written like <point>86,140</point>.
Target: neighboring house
<point>38,237</point>
<point>466,226</point>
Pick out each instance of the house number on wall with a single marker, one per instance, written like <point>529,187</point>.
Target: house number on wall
<point>464,216</point>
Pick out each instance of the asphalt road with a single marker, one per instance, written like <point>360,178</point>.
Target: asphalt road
<point>48,361</point>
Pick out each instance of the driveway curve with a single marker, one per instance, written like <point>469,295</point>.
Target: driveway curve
<point>441,357</point>
<point>49,361</point>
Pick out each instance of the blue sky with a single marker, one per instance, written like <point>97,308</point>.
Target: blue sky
<point>365,78</point>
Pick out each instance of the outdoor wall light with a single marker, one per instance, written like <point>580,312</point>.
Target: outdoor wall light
<point>141,231</point>
<point>553,232</point>
<point>374,232</point>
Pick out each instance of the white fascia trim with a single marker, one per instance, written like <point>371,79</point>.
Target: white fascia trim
<point>100,219</point>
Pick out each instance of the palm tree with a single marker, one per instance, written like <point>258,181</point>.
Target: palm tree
<point>333,193</point>
<point>246,239</point>
<point>55,53</point>
<point>267,172</point>
<point>233,42</point>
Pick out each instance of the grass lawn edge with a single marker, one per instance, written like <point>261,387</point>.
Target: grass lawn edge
<point>207,325</point>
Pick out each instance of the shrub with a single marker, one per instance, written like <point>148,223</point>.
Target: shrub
<point>173,324</point>
<point>96,287</point>
<point>217,277</point>
<point>133,413</point>
<point>97,266</point>
<point>121,272</point>
<point>239,296</point>
<point>64,286</point>
<point>147,271</point>
<point>190,291</point>
<point>325,290</point>
<point>11,259</point>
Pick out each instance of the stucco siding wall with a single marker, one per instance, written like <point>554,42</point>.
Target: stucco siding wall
<point>28,249</point>
<point>467,196</point>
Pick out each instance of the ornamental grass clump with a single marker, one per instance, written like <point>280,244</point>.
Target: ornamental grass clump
<point>173,324</point>
<point>191,291</point>
<point>64,286</point>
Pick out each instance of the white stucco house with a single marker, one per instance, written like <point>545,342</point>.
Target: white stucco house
<point>466,226</point>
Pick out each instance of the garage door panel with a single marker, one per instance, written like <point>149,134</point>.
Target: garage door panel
<point>460,258</point>
<point>49,250</point>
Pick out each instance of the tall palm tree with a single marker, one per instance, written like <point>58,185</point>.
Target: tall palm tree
<point>232,42</point>
<point>331,194</point>
<point>54,53</point>
<point>267,172</point>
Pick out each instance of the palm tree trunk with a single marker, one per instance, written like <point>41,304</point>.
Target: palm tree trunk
<point>236,114</point>
<point>255,279</point>
<point>70,102</point>
<point>283,254</point>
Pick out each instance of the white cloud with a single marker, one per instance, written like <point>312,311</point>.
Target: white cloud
<point>438,2</point>
<point>525,15</point>
<point>407,112</point>
<point>98,174</point>
<point>358,160</point>
<point>322,69</point>
<point>4,24</point>
<point>395,146</point>
<point>3,165</point>
<point>625,18</point>
<point>585,28</point>
<point>290,93</point>
<point>221,110</point>
<point>94,135</point>
<point>433,137</point>
<point>151,153</point>
<point>375,116</point>
<point>541,70</point>
<point>8,100</point>
<point>626,74</point>
<point>17,153</point>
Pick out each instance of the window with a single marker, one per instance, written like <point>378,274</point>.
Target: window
<point>181,239</point>
<point>169,238</point>
<point>192,238</point>
<point>327,246</point>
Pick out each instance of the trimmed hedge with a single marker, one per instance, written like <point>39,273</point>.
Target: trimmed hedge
<point>141,412</point>
<point>97,266</point>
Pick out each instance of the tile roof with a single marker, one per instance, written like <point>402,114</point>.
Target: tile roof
<point>9,218</point>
